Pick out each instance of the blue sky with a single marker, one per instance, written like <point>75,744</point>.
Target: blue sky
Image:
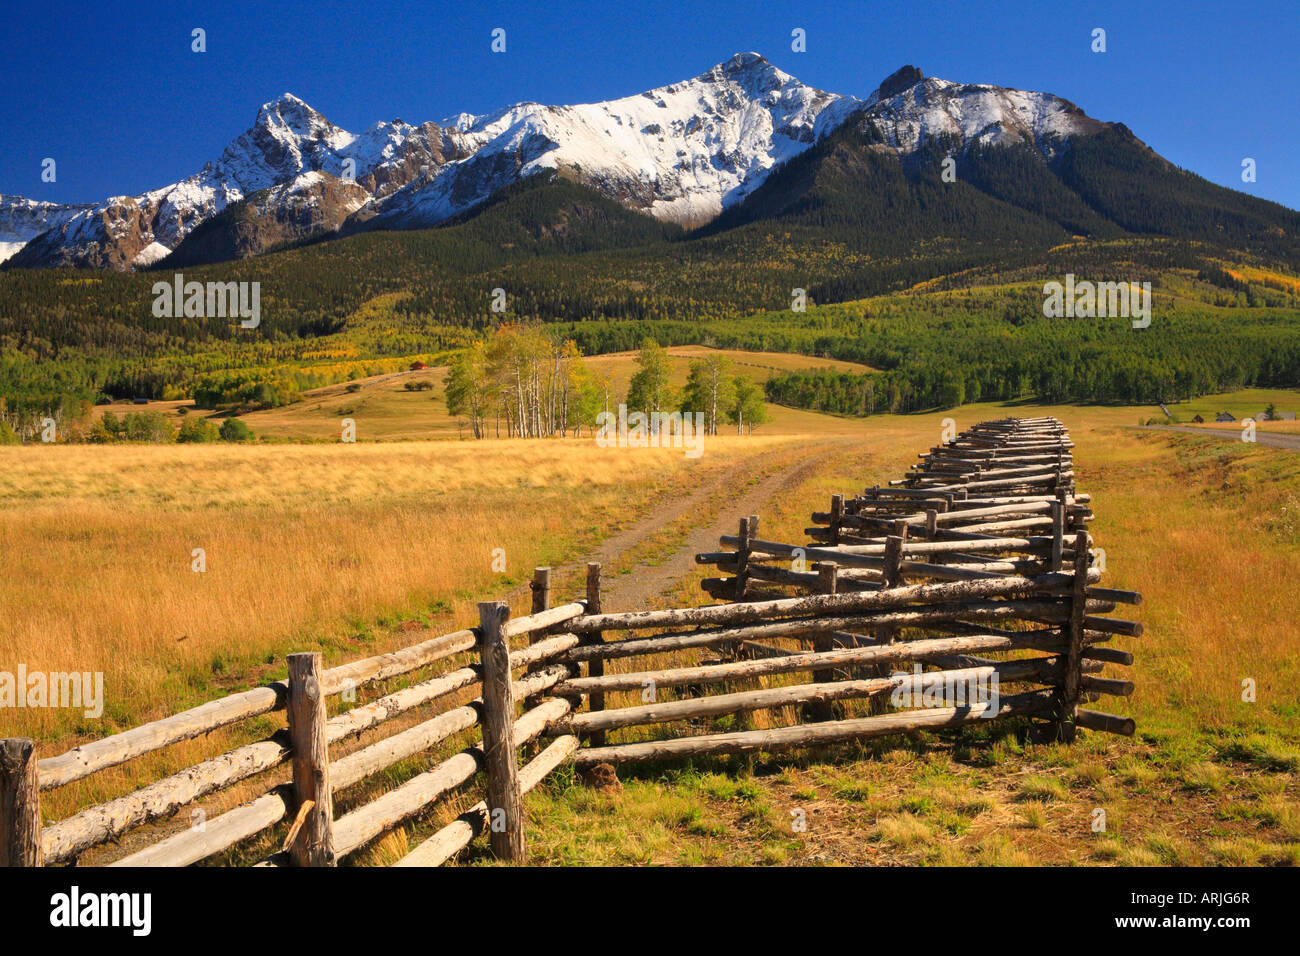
<point>114,94</point>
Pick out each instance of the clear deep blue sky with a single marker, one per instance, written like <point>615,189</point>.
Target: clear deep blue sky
<point>114,94</point>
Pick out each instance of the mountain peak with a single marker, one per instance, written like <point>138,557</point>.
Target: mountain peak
<point>742,61</point>
<point>291,111</point>
<point>901,79</point>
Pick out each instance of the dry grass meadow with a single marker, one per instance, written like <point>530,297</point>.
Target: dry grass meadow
<point>355,549</point>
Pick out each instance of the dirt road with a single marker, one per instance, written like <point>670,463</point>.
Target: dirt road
<point>1272,439</point>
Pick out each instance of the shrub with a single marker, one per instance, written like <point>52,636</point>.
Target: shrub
<point>147,427</point>
<point>7,434</point>
<point>197,430</point>
<point>232,429</point>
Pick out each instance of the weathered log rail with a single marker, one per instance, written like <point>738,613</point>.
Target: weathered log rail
<point>905,602</point>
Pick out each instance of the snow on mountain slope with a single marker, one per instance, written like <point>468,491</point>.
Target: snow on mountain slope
<point>22,220</point>
<point>682,153</point>
<point>990,115</point>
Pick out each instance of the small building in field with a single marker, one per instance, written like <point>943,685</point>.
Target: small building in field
<point>1198,419</point>
<point>1224,417</point>
<point>1264,416</point>
<point>418,366</point>
<point>140,401</point>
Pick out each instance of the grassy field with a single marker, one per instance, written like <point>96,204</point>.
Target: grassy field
<point>355,549</point>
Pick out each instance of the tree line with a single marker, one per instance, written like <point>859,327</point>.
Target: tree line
<point>524,381</point>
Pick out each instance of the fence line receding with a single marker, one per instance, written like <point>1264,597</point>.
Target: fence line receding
<point>965,591</point>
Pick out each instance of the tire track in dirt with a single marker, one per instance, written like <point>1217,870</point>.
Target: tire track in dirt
<point>719,513</point>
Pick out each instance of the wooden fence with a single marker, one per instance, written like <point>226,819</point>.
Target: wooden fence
<point>980,553</point>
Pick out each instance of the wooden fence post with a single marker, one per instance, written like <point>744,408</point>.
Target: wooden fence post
<point>540,586</point>
<point>891,577</point>
<point>820,710</point>
<point>748,532</point>
<point>1057,509</point>
<point>314,844</point>
<point>596,666</point>
<point>837,517</point>
<point>504,797</point>
<point>20,804</point>
<point>1073,678</point>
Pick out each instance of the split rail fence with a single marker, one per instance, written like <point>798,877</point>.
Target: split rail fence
<point>976,565</point>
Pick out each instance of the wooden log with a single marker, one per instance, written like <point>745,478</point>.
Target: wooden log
<point>217,834</point>
<point>1058,535</point>
<point>812,605</point>
<point>456,835</point>
<point>20,804</point>
<point>803,579</point>
<point>927,615</point>
<point>535,655</point>
<point>541,593</point>
<point>666,643</point>
<point>541,589</point>
<point>403,661</point>
<point>886,654</point>
<point>314,845</point>
<point>595,640</point>
<point>1106,685</point>
<point>891,577</point>
<point>355,829</point>
<point>1108,723</point>
<point>1073,633</point>
<point>543,619</point>
<point>1107,655</point>
<point>819,707</point>
<point>742,559</point>
<point>1116,595</point>
<point>501,757</point>
<point>754,649</point>
<point>773,697</point>
<point>779,739</point>
<point>1112,625</point>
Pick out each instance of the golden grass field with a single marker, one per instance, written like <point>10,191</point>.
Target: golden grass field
<point>344,547</point>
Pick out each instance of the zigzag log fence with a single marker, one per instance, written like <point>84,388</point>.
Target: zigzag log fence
<point>980,552</point>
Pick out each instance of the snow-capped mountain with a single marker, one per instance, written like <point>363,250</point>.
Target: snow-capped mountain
<point>681,153</point>
<point>909,110</point>
<point>22,220</point>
